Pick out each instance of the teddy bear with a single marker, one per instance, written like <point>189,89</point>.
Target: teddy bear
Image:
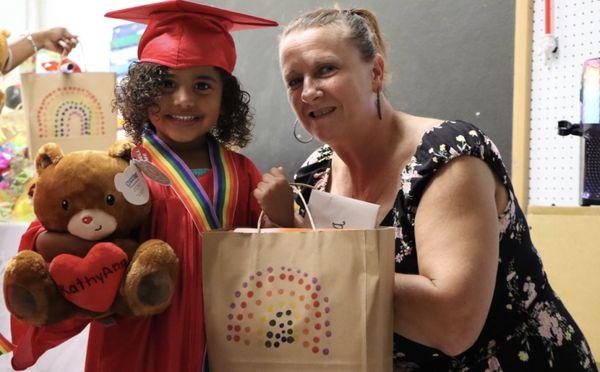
<point>3,58</point>
<point>100,199</point>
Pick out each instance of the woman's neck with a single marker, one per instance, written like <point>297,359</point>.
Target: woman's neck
<point>368,166</point>
<point>364,154</point>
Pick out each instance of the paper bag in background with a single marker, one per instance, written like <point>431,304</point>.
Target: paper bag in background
<point>299,301</point>
<point>73,110</point>
<point>340,212</point>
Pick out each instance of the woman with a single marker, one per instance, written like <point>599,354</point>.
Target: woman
<point>56,39</point>
<point>470,291</point>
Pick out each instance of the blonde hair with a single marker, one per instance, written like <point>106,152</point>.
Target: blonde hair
<point>362,26</point>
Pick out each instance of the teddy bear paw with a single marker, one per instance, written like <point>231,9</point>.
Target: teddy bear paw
<point>150,294</point>
<point>29,292</point>
<point>150,281</point>
<point>155,289</point>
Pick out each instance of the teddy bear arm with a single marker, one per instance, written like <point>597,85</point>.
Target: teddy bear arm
<point>51,244</point>
<point>29,292</point>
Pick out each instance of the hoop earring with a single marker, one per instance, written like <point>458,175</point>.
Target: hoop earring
<point>378,103</point>
<point>298,137</point>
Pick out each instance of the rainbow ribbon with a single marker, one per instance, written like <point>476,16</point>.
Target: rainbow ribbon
<point>206,214</point>
<point>5,345</point>
<point>225,182</point>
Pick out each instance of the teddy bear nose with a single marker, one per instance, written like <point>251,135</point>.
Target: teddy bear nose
<point>87,220</point>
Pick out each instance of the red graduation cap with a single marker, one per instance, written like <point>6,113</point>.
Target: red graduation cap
<point>184,33</point>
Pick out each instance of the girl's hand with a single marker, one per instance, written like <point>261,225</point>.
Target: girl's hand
<point>57,39</point>
<point>51,244</point>
<point>276,198</point>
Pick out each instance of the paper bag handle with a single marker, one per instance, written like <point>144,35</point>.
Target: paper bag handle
<point>62,56</point>
<point>296,189</point>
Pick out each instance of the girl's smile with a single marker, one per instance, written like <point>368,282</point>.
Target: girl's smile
<point>189,105</point>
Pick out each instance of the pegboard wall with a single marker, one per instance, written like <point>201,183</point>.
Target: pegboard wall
<point>554,161</point>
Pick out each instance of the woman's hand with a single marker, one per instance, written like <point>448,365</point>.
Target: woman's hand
<point>276,198</point>
<point>57,39</point>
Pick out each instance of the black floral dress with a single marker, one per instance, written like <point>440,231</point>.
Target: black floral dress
<point>528,327</point>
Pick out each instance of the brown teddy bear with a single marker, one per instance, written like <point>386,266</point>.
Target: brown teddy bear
<point>3,58</point>
<point>96,196</point>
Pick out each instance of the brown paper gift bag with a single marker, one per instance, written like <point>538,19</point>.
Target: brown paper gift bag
<point>73,110</point>
<point>299,300</point>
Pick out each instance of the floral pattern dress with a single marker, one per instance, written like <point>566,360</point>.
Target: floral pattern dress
<point>527,328</point>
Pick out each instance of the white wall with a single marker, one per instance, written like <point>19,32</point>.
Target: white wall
<point>19,17</point>
<point>12,17</point>
<point>86,19</point>
<point>555,161</point>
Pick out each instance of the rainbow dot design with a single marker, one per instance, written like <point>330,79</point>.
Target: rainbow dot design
<point>70,111</point>
<point>275,309</point>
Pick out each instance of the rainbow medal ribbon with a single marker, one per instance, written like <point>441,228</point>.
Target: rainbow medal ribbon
<point>207,214</point>
<point>225,182</point>
<point>5,345</point>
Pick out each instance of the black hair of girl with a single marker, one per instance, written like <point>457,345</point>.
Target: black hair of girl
<point>141,87</point>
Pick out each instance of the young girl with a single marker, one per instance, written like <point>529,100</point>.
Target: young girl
<point>182,106</point>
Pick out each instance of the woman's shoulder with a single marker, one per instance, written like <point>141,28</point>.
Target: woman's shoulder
<point>320,155</point>
<point>441,144</point>
<point>315,166</point>
<point>447,129</point>
<point>318,160</point>
<point>453,138</point>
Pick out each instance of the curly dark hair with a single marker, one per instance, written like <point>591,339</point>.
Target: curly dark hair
<point>141,87</point>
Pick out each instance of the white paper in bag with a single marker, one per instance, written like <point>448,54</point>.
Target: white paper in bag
<point>340,212</point>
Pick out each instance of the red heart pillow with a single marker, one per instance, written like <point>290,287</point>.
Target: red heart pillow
<point>91,282</point>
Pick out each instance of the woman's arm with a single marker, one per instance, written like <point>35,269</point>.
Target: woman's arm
<point>57,39</point>
<point>456,232</point>
<point>51,244</point>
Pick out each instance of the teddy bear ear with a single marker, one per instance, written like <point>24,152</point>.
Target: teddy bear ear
<point>47,155</point>
<point>121,149</point>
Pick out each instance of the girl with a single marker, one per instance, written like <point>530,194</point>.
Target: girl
<point>182,106</point>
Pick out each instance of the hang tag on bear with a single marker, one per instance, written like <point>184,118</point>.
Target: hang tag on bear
<point>143,160</point>
<point>152,172</point>
<point>132,185</point>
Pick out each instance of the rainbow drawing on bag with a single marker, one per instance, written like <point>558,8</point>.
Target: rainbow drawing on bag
<point>70,112</point>
<point>275,310</point>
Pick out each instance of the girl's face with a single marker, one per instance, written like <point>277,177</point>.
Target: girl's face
<point>189,105</point>
<point>330,87</point>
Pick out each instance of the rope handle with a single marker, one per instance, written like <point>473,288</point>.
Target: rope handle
<point>57,64</point>
<point>296,189</point>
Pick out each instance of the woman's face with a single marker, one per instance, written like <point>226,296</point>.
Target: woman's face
<point>329,86</point>
<point>189,105</point>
